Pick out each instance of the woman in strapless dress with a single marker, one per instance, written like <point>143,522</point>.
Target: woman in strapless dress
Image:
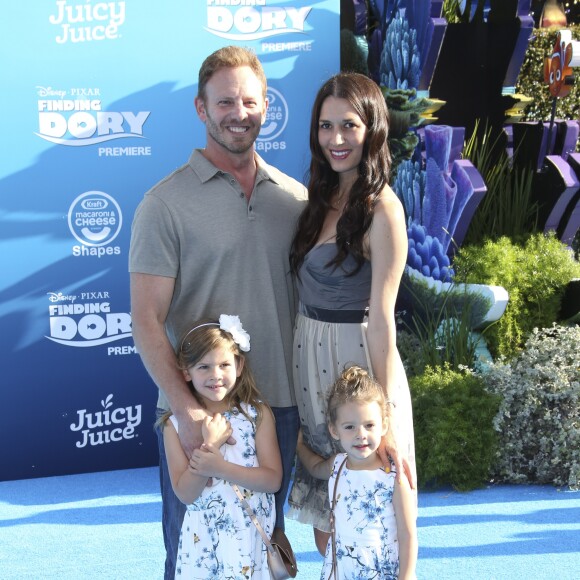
<point>348,256</point>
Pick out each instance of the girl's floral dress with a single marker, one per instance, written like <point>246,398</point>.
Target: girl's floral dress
<point>366,530</point>
<point>217,539</point>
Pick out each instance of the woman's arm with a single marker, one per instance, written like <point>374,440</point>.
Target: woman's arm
<point>316,465</point>
<point>405,506</point>
<point>267,477</point>
<point>387,248</point>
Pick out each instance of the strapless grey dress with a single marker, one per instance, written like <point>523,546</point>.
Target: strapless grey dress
<point>322,350</point>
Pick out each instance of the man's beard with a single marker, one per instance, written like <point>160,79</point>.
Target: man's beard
<point>231,141</point>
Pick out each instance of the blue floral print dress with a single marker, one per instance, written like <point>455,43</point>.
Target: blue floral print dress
<point>217,538</point>
<point>366,529</point>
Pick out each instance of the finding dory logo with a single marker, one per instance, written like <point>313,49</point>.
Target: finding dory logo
<point>558,68</point>
<point>253,19</point>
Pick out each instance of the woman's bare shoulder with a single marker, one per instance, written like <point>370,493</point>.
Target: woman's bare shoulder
<point>389,206</point>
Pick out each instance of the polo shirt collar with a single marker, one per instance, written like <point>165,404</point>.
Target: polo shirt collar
<point>206,170</point>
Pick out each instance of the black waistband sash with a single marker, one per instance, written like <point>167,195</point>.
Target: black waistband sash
<point>327,315</point>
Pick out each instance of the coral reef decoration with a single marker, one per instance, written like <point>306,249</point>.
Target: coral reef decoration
<point>406,113</point>
<point>400,66</point>
<point>405,43</point>
<point>426,254</point>
<point>424,17</point>
<point>435,197</point>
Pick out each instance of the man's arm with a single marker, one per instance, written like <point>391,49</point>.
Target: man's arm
<point>150,300</point>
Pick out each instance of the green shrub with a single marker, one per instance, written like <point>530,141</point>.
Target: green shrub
<point>538,423</point>
<point>455,442</point>
<point>534,273</point>
<point>410,351</point>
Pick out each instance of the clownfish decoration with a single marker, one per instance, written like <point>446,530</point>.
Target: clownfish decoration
<point>558,68</point>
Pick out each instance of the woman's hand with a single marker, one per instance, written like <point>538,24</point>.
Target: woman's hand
<point>389,449</point>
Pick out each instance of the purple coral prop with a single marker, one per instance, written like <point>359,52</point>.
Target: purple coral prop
<point>438,202</point>
<point>440,193</point>
<point>446,195</point>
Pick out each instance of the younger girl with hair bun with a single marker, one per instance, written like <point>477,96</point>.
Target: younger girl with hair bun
<point>375,531</point>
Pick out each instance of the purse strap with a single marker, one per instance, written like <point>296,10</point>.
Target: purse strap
<point>332,523</point>
<point>363,329</point>
<point>253,517</point>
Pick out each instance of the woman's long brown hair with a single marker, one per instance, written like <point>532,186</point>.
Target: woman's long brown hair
<point>369,103</point>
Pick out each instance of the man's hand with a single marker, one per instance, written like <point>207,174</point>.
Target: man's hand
<point>190,434</point>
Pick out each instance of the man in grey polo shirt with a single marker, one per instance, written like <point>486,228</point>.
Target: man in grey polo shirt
<point>213,238</point>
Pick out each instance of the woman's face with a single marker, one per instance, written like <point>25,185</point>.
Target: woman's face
<point>341,135</point>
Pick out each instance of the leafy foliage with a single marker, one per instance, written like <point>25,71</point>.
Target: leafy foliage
<point>538,423</point>
<point>455,442</point>
<point>507,208</point>
<point>451,11</point>
<point>534,272</point>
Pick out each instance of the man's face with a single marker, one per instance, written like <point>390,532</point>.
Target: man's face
<point>233,109</point>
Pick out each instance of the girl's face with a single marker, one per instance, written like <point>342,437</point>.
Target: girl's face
<point>341,135</point>
<point>359,427</point>
<point>214,376</point>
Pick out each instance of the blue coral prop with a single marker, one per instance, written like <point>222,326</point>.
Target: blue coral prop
<point>400,66</point>
<point>426,254</point>
<point>410,187</point>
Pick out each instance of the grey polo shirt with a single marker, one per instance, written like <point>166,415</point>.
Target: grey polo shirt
<point>228,256</point>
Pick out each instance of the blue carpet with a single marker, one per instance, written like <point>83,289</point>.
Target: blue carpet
<point>106,525</point>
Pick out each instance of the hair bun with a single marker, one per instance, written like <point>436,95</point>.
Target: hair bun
<point>354,372</point>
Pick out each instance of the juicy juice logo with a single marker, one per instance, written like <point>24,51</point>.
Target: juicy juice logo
<point>108,425</point>
<point>88,22</point>
<point>253,19</point>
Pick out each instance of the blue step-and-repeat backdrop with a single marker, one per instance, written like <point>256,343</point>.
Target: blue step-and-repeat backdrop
<point>97,106</point>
